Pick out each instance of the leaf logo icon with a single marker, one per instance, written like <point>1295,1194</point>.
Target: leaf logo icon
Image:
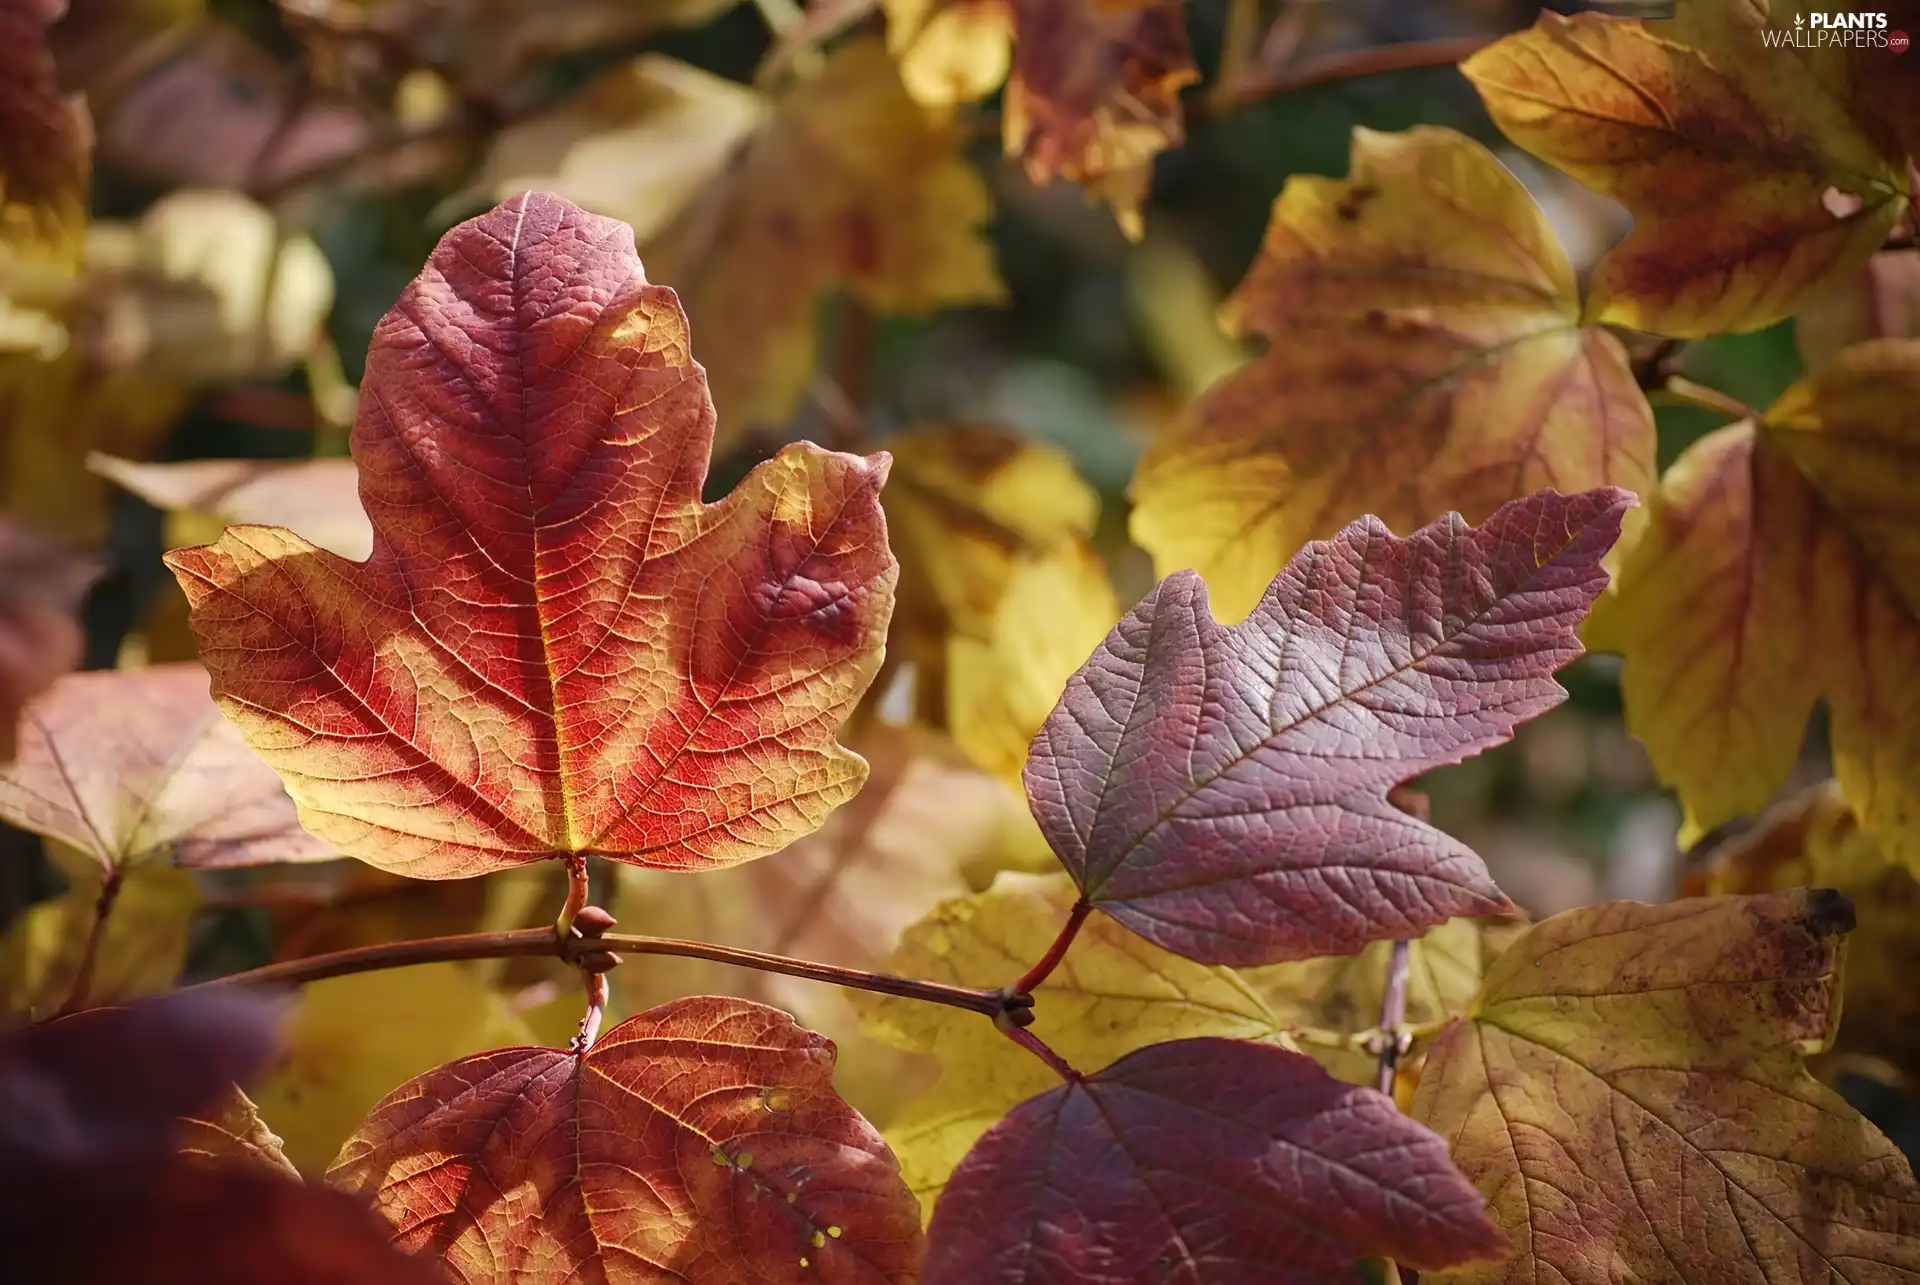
<point>1799,20</point>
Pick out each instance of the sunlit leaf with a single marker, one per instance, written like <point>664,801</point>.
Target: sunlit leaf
<point>840,896</point>
<point>849,186</point>
<point>234,1132</point>
<point>1755,174</point>
<point>1223,790</point>
<point>339,1060</point>
<point>1112,994</point>
<point>555,646</point>
<point>1217,1161</point>
<point>1780,566</point>
<point>1425,352</point>
<point>129,765</point>
<point>1814,840</point>
<point>1631,1096</point>
<point>701,1140</point>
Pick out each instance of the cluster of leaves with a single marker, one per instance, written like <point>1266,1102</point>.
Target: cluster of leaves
<point>1219,1003</point>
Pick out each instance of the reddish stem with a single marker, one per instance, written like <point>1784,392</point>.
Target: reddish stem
<point>1393,1016</point>
<point>1033,1044</point>
<point>90,955</point>
<point>531,942</point>
<point>1056,952</point>
<point>596,1011</point>
<point>579,891</point>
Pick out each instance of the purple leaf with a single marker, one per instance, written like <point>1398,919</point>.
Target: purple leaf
<point>1222,791</point>
<point>1204,1162</point>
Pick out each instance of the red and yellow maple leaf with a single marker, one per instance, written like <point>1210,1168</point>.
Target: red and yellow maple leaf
<point>701,1141</point>
<point>555,646</point>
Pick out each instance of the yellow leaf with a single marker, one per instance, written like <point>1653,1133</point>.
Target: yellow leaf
<point>178,300</point>
<point>1780,566</point>
<point>1425,353</point>
<point>950,51</point>
<point>1754,174</point>
<point>235,1133</point>
<point>850,186</point>
<point>1344,993</point>
<point>638,143</point>
<point>1113,993</point>
<point>340,1060</point>
<point>839,896</point>
<point>1054,609</point>
<point>140,952</point>
<point>1631,1096</point>
<point>1814,840</point>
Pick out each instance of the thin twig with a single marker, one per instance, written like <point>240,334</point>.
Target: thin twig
<point>90,954</point>
<point>1393,1016</point>
<point>534,942</point>
<point>1055,953</point>
<point>1688,393</point>
<point>1033,1044</point>
<point>1351,64</point>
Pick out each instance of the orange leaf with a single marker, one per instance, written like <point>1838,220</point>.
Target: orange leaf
<point>1755,172</point>
<point>555,646</point>
<point>124,765</point>
<point>700,1142</point>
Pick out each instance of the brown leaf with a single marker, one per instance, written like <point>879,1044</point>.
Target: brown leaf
<point>127,765</point>
<point>46,148</point>
<point>700,1142</point>
<point>234,1132</point>
<point>1094,94</point>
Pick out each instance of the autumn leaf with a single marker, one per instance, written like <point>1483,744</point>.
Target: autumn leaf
<point>1620,1041</point>
<point>60,954</point>
<point>1344,993</point>
<point>849,186</point>
<point>1054,610</point>
<point>1755,175</point>
<point>46,170</point>
<point>1001,596</point>
<point>1879,301</point>
<point>1813,839</point>
<point>555,646</point>
<point>41,584</point>
<point>841,896</point>
<point>701,1139</point>
<point>1780,566</point>
<point>1093,86</point>
<point>1217,1160</point>
<point>1112,993</point>
<point>234,1132</point>
<point>337,1064</point>
<point>1201,783</point>
<point>129,765</point>
<point>1094,94</point>
<point>319,500</point>
<point>1425,352</point>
